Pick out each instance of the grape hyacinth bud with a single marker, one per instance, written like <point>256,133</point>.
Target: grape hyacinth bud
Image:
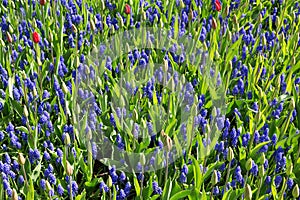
<point>183,178</point>
<point>184,169</point>
<point>156,188</point>
<point>60,190</point>
<point>290,183</point>
<point>43,184</point>
<point>103,187</point>
<point>278,180</point>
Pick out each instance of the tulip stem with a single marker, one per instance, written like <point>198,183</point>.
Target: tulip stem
<point>66,151</point>
<point>142,180</point>
<point>90,160</point>
<point>211,193</point>
<point>43,18</point>
<point>246,178</point>
<point>50,197</point>
<point>227,176</point>
<point>258,191</point>
<point>167,169</point>
<point>298,153</point>
<point>71,194</point>
<point>204,163</point>
<point>25,176</point>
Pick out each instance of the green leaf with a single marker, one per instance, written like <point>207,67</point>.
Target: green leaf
<point>203,194</point>
<point>81,196</point>
<point>155,101</point>
<point>167,190</point>
<point>181,194</point>
<point>176,188</point>
<point>17,107</point>
<point>170,13</point>
<point>82,164</point>
<point>155,197</point>
<point>92,183</point>
<point>210,169</point>
<point>30,192</point>
<point>10,86</point>
<point>257,148</point>
<point>1,189</point>
<point>36,172</point>
<point>274,191</point>
<point>61,17</point>
<point>197,173</point>
<point>170,126</point>
<point>176,26</point>
<point>148,190</point>
<point>235,194</point>
<point>263,197</point>
<point>114,193</point>
<point>233,50</point>
<point>226,195</point>
<point>136,186</point>
<point>195,195</point>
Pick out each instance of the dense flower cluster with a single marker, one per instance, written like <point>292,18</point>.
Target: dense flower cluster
<point>47,145</point>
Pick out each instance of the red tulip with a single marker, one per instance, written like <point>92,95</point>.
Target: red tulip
<point>218,5</point>
<point>127,9</point>
<point>42,2</point>
<point>35,37</point>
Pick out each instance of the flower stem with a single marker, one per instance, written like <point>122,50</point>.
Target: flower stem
<point>71,194</point>
<point>25,176</point>
<point>246,178</point>
<point>298,153</point>
<point>211,193</point>
<point>90,160</point>
<point>227,176</point>
<point>167,168</point>
<point>258,191</point>
<point>142,180</point>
